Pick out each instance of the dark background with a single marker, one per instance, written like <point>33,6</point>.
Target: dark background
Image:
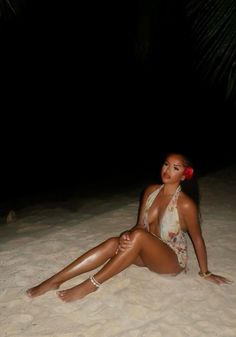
<point>80,112</point>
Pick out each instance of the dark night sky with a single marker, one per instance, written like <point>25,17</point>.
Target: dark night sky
<point>78,109</point>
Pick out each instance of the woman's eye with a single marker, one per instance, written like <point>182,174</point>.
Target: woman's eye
<point>176,168</point>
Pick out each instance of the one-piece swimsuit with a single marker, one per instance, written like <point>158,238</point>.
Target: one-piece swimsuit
<point>170,230</point>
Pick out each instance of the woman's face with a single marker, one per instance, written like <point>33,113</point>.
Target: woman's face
<point>173,169</point>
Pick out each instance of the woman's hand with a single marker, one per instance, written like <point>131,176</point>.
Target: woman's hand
<point>124,242</point>
<point>218,279</point>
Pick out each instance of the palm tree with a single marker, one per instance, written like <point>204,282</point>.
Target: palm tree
<point>208,27</point>
<point>8,10</point>
<point>212,26</point>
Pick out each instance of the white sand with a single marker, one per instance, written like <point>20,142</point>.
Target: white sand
<point>135,303</point>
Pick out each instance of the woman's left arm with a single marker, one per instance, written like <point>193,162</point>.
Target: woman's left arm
<point>190,217</point>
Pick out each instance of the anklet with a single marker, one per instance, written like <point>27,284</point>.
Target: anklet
<point>206,274</point>
<point>94,282</point>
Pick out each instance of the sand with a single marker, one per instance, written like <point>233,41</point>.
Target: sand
<point>136,303</point>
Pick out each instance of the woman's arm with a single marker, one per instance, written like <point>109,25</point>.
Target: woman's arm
<point>124,236</point>
<point>190,217</point>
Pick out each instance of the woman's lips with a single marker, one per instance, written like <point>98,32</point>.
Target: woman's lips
<point>166,176</point>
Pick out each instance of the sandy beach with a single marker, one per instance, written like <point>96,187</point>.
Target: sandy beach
<point>135,303</point>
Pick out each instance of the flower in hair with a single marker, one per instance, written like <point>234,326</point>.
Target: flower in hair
<point>188,173</point>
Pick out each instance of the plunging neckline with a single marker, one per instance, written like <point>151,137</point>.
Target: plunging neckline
<point>170,206</point>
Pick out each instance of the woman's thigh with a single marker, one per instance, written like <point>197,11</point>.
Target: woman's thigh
<point>155,254</point>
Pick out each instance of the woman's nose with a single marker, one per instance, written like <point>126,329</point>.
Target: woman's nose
<point>168,169</point>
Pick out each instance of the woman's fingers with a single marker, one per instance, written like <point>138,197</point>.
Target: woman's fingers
<point>124,244</point>
<point>218,279</point>
<point>125,236</point>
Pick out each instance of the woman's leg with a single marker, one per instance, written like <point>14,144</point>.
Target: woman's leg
<point>146,249</point>
<point>88,261</point>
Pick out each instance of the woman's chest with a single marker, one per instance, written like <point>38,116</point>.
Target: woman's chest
<point>157,211</point>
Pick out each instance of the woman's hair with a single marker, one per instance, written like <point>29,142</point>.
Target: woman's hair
<point>191,186</point>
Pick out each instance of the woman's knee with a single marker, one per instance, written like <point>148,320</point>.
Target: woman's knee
<point>113,242</point>
<point>138,234</point>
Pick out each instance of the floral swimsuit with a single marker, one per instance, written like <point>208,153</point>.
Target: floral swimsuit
<point>170,230</point>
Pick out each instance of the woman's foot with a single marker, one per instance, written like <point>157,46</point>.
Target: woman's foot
<point>42,288</point>
<point>77,292</point>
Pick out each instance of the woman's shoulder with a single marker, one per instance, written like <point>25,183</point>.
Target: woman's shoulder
<point>151,188</point>
<point>186,203</point>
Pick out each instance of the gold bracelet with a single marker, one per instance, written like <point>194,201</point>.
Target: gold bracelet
<point>206,274</point>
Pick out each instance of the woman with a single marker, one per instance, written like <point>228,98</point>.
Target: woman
<point>157,241</point>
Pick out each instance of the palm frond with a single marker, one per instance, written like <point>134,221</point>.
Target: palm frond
<point>213,35</point>
<point>7,10</point>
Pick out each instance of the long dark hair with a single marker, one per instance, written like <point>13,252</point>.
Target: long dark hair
<point>190,187</point>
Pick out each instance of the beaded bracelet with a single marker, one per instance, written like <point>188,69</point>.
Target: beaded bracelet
<point>206,274</point>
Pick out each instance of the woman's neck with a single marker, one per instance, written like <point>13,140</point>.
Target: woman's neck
<point>170,189</point>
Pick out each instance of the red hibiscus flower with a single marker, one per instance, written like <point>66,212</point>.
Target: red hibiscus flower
<point>188,173</point>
